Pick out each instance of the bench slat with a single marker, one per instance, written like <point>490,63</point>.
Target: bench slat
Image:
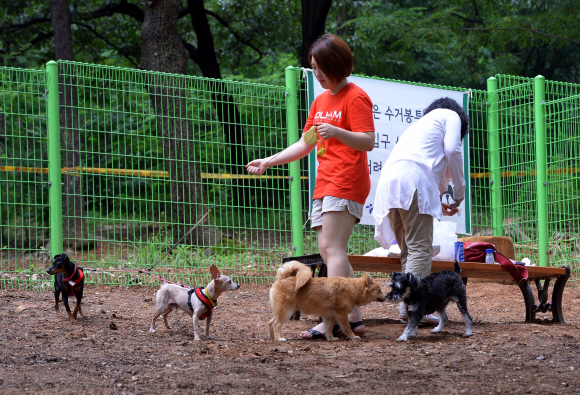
<point>494,272</point>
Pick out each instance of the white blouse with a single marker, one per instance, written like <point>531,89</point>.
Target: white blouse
<point>426,156</point>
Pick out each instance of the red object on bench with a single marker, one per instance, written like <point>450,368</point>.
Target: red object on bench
<point>475,252</point>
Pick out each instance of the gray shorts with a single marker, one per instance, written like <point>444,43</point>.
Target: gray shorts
<point>331,203</point>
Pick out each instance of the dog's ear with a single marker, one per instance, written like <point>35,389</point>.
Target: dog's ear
<point>65,259</point>
<point>413,280</point>
<point>368,279</point>
<point>215,272</point>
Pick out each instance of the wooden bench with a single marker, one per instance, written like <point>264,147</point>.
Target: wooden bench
<point>491,273</point>
<point>484,271</point>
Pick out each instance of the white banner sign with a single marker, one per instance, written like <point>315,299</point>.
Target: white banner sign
<point>395,107</point>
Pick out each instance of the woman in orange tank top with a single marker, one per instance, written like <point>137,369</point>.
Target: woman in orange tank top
<point>343,116</point>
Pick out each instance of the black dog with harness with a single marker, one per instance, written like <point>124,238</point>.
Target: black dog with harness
<point>69,279</point>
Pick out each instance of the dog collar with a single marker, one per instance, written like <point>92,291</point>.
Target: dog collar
<point>204,298</point>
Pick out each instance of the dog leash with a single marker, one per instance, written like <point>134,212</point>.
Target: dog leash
<point>188,232</point>
<point>178,321</point>
<point>162,279</point>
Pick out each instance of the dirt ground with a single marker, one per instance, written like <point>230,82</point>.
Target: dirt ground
<point>112,351</point>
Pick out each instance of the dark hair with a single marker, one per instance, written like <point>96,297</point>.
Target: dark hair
<point>450,104</point>
<point>333,57</point>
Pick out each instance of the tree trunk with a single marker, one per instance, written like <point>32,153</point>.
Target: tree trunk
<point>162,50</point>
<point>75,229</point>
<point>314,13</point>
<point>226,110</point>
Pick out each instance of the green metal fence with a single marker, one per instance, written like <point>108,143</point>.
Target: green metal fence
<point>512,143</point>
<point>534,150</point>
<point>481,214</point>
<point>144,156</point>
<point>24,234</point>
<point>562,132</point>
<point>133,159</point>
<point>157,151</point>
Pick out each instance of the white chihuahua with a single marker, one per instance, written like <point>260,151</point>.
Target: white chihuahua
<point>198,302</point>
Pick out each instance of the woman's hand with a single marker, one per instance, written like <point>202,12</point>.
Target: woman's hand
<point>457,203</point>
<point>326,131</point>
<point>447,210</point>
<point>257,166</point>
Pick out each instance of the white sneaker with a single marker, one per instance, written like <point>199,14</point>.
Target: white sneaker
<point>430,319</point>
<point>403,313</point>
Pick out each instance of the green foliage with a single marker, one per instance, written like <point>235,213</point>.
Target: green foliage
<point>147,254</point>
<point>271,27</point>
<point>27,41</point>
<point>453,42</point>
<point>462,43</point>
<point>229,247</point>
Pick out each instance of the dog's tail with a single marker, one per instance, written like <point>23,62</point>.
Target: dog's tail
<point>457,268</point>
<point>294,268</point>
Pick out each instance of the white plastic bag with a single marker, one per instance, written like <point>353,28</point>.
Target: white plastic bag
<point>378,252</point>
<point>394,251</point>
<point>444,235</point>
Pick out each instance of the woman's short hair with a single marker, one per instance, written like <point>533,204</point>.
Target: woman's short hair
<point>450,104</point>
<point>333,57</point>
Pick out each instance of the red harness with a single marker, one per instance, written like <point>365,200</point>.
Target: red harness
<point>207,302</point>
<point>71,282</point>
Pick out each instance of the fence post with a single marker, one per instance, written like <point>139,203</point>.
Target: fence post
<point>294,167</point>
<point>54,163</point>
<point>541,169</point>
<point>494,157</point>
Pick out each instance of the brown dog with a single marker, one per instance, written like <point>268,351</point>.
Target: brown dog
<point>331,298</point>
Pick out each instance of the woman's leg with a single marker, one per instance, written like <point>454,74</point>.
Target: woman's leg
<point>398,228</point>
<point>419,241</point>
<point>418,230</point>
<point>333,238</point>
